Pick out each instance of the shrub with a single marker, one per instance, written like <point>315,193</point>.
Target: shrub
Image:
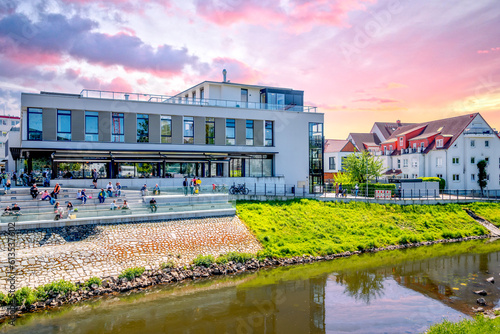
<point>442,182</point>
<point>93,280</point>
<point>5,299</point>
<point>25,296</point>
<point>58,287</point>
<point>131,273</point>
<point>204,261</point>
<point>235,257</point>
<point>168,264</point>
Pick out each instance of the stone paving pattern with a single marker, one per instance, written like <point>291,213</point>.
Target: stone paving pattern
<point>108,249</point>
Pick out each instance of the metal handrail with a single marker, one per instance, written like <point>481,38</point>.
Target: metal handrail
<point>154,98</point>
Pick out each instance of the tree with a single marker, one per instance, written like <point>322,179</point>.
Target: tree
<point>481,176</point>
<point>362,166</point>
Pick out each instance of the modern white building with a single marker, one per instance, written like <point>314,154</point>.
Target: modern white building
<point>234,132</point>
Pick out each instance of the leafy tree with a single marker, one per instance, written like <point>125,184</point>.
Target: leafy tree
<point>481,176</point>
<point>362,166</point>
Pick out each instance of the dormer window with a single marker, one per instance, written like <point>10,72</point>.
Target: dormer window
<point>439,143</point>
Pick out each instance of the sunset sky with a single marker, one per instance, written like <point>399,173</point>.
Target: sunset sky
<point>358,61</point>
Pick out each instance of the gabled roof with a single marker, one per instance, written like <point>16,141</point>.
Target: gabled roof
<point>359,138</point>
<point>388,128</point>
<point>338,145</point>
<point>448,127</point>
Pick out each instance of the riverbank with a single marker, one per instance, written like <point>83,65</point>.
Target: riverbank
<point>116,284</point>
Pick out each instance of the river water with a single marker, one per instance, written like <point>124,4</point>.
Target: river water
<point>401,291</point>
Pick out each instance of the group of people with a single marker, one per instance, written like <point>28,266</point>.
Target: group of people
<point>339,191</point>
<point>194,185</point>
<point>60,213</point>
<point>144,190</point>
<point>114,206</point>
<point>46,196</point>
<point>15,210</point>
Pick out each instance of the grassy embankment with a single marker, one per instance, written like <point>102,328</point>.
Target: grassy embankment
<point>479,325</point>
<point>489,211</point>
<point>297,227</point>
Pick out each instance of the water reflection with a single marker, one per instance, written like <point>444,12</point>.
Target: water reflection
<point>387,292</point>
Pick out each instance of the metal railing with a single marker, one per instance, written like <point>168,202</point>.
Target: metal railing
<point>101,94</point>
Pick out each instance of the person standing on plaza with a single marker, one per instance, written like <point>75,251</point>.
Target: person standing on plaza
<point>185,185</point>
<point>192,183</point>
<point>356,190</point>
<point>94,178</point>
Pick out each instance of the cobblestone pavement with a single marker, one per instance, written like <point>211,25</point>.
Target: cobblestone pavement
<point>116,247</point>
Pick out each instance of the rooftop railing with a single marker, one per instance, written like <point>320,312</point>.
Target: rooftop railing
<point>101,94</point>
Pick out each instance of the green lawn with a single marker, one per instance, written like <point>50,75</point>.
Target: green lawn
<point>296,227</point>
<point>479,325</point>
<point>489,211</point>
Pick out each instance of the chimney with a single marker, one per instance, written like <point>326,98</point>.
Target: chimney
<point>398,122</point>
<point>224,72</point>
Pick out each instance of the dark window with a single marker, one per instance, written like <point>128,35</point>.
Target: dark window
<point>249,132</point>
<point>91,126</point>
<point>34,124</point>
<point>332,163</point>
<point>166,129</point>
<point>230,132</point>
<point>269,133</point>
<point>117,128</point>
<point>188,130</point>
<point>63,125</point>
<point>316,157</point>
<point>258,166</point>
<point>210,130</point>
<point>142,128</point>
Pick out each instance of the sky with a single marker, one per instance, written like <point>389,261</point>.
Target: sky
<point>358,61</point>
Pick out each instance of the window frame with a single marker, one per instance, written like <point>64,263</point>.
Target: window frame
<point>165,139</point>
<point>230,126</point>
<point>269,142</point>
<point>63,113</point>
<point>120,135</point>
<point>249,139</point>
<point>331,163</point>
<point>39,133</point>
<point>188,134</point>
<point>142,138</point>
<point>91,114</point>
<point>209,124</point>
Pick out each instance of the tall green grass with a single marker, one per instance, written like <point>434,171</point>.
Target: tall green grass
<point>489,211</point>
<point>297,227</point>
<point>478,325</point>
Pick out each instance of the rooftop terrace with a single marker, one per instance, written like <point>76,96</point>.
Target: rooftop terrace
<point>109,95</point>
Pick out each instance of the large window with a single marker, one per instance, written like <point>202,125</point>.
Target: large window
<point>91,126</point>
<point>166,129</point>
<point>188,130</point>
<point>34,124</point>
<point>258,166</point>
<point>117,128</point>
<point>210,130</point>
<point>315,157</point>
<point>63,125</point>
<point>230,132</point>
<point>269,134</point>
<point>249,132</point>
<point>142,128</point>
<point>455,161</point>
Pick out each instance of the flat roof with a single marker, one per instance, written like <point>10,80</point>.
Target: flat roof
<point>233,84</point>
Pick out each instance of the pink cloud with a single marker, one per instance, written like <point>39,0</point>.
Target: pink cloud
<point>299,14</point>
<point>376,100</point>
<point>237,71</point>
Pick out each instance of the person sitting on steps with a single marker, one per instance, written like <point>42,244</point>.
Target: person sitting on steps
<point>56,191</point>
<point>153,206</point>
<point>156,190</point>
<point>34,191</point>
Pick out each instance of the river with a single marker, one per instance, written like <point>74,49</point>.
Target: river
<point>401,291</point>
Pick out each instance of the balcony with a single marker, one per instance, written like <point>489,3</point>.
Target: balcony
<point>108,95</point>
<point>479,132</point>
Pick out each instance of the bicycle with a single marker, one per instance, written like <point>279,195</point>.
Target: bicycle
<point>240,189</point>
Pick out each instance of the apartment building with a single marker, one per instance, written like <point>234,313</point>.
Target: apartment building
<point>6,123</point>
<point>233,132</point>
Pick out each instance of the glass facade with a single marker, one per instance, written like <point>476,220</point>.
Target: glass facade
<point>230,132</point>
<point>188,130</point>
<point>166,129</point>
<point>34,124</point>
<point>259,166</point>
<point>315,157</point>
<point>269,134</point>
<point>210,130</point>
<point>249,132</point>
<point>91,126</point>
<point>63,125</point>
<point>142,128</point>
<point>117,128</point>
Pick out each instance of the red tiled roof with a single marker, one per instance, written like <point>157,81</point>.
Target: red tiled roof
<point>388,128</point>
<point>334,145</point>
